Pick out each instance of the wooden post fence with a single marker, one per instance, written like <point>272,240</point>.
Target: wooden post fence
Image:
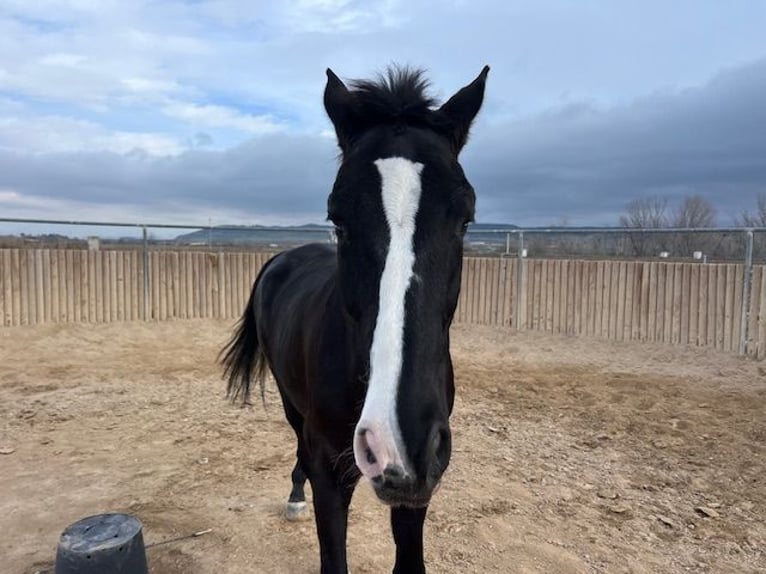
<point>709,305</point>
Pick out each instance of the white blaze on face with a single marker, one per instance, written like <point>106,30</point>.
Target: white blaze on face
<point>400,190</point>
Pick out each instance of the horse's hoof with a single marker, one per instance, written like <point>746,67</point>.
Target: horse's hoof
<point>296,511</point>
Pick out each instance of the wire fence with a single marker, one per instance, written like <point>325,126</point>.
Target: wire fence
<point>722,244</point>
<point>105,271</point>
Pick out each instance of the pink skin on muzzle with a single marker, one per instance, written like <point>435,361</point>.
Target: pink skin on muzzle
<point>374,450</point>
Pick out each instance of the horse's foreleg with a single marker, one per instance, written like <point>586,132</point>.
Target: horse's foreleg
<point>407,526</point>
<point>331,502</point>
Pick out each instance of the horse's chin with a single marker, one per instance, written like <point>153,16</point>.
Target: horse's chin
<point>409,501</point>
<point>405,502</point>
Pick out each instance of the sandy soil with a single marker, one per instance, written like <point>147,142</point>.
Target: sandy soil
<point>571,456</point>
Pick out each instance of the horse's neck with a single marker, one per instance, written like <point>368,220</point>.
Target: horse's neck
<point>351,343</point>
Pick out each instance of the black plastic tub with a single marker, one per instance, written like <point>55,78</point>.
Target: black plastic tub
<point>102,544</point>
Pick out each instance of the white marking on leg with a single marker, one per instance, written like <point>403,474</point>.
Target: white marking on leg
<point>400,190</point>
<point>296,511</point>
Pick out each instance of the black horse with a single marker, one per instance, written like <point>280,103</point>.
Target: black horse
<point>357,337</point>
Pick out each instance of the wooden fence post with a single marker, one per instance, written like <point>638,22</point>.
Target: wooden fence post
<point>520,294</point>
<point>746,288</point>
<point>146,271</point>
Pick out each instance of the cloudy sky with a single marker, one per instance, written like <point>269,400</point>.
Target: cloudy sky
<point>197,110</point>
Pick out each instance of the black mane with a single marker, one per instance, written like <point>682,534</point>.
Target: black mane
<point>400,96</point>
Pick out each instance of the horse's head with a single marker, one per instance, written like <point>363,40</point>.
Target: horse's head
<point>401,204</point>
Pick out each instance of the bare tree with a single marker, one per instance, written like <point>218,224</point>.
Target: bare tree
<point>645,213</point>
<point>694,212</point>
<point>757,218</point>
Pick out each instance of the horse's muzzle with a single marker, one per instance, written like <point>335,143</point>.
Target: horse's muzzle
<point>395,488</point>
<point>395,482</point>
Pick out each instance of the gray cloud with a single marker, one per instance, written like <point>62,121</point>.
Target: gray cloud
<point>281,176</point>
<point>584,164</point>
<point>578,161</point>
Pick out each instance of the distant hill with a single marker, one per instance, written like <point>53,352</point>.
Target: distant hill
<point>479,234</point>
<point>256,235</point>
<point>484,226</point>
<point>297,234</point>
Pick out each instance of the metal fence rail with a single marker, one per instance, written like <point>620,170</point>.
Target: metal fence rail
<point>718,305</point>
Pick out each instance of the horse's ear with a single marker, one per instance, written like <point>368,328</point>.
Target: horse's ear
<point>341,107</point>
<point>461,109</point>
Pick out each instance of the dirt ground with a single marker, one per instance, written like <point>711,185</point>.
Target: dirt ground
<point>571,455</point>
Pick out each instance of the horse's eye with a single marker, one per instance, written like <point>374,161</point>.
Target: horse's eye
<point>464,227</point>
<point>340,232</point>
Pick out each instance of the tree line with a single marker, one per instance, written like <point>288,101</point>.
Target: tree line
<point>693,212</point>
<point>657,213</point>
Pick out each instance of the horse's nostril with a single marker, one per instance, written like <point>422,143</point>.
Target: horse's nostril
<point>371,457</point>
<point>441,444</point>
<point>393,471</point>
<point>437,440</point>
